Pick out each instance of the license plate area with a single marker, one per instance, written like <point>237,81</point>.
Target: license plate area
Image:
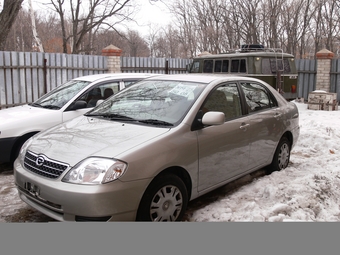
<point>33,189</point>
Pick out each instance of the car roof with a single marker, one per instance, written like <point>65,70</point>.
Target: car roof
<point>95,77</point>
<point>203,77</point>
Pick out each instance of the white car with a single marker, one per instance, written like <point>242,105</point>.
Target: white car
<point>65,102</point>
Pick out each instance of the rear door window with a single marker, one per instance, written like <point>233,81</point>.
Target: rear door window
<point>257,97</point>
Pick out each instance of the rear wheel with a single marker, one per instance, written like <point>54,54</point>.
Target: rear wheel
<point>281,156</point>
<point>164,200</point>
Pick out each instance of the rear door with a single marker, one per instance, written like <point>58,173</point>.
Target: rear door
<point>265,119</point>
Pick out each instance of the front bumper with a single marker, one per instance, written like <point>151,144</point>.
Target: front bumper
<point>115,201</point>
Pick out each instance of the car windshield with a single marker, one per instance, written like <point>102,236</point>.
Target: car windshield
<point>58,97</point>
<point>152,102</point>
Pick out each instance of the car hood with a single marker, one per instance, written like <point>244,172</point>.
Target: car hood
<point>82,137</point>
<point>20,115</point>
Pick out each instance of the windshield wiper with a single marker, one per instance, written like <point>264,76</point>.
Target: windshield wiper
<point>35,105</point>
<point>45,106</point>
<point>156,122</point>
<point>111,116</point>
<point>50,106</point>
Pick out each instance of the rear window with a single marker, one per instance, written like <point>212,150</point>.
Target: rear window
<point>272,65</point>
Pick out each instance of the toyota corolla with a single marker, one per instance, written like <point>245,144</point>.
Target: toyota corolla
<point>145,152</point>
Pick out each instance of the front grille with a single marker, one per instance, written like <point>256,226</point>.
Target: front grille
<point>44,166</point>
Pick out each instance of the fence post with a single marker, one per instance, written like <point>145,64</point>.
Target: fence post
<point>323,75</point>
<point>166,66</point>
<point>45,75</point>
<point>113,58</point>
<point>322,98</point>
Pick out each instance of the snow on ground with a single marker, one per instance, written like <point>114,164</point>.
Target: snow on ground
<point>307,190</point>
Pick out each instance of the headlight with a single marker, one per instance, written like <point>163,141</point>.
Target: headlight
<point>23,150</point>
<point>95,171</point>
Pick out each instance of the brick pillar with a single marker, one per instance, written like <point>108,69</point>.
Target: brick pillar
<point>113,58</point>
<point>323,78</point>
<point>321,98</point>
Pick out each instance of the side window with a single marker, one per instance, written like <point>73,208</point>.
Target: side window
<point>224,99</point>
<point>100,92</point>
<point>257,97</point>
<point>218,66</point>
<point>195,67</point>
<point>221,66</point>
<point>238,66</point>
<point>225,66</point>
<point>243,66</point>
<point>208,66</point>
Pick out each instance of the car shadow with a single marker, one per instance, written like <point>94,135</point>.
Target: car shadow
<point>219,193</point>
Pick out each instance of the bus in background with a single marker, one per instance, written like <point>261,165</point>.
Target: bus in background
<point>254,60</point>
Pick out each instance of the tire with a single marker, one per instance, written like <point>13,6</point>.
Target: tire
<point>281,156</point>
<point>165,199</point>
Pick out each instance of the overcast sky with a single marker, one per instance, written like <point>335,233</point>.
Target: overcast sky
<point>151,12</point>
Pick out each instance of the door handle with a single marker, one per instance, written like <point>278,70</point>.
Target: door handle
<point>244,126</point>
<point>277,115</point>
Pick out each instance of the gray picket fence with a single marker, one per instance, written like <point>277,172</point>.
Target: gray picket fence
<point>154,65</point>
<point>25,76</point>
<point>306,76</point>
<point>335,77</point>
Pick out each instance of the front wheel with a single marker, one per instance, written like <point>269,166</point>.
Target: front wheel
<point>281,156</point>
<point>164,200</point>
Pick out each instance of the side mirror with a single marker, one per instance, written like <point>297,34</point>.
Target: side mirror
<point>213,118</point>
<point>78,105</point>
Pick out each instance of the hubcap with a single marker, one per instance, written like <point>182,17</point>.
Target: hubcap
<point>283,156</point>
<point>166,205</point>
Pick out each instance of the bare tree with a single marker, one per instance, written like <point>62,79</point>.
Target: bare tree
<point>10,10</point>
<point>34,28</point>
<point>136,45</point>
<point>86,17</point>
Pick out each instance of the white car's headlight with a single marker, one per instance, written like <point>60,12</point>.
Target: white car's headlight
<point>95,171</point>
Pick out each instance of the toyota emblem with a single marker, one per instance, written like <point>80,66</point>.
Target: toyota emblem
<point>40,161</point>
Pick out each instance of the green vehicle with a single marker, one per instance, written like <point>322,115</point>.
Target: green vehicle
<point>270,65</point>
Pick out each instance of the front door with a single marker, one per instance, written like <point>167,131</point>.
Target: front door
<point>223,149</point>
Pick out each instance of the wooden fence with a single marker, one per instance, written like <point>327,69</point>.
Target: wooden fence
<point>335,77</point>
<point>154,65</point>
<point>25,76</point>
<point>306,76</point>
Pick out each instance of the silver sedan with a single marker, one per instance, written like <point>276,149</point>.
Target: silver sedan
<point>145,152</point>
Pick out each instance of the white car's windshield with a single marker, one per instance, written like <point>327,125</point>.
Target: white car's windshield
<point>58,97</point>
<point>161,103</point>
